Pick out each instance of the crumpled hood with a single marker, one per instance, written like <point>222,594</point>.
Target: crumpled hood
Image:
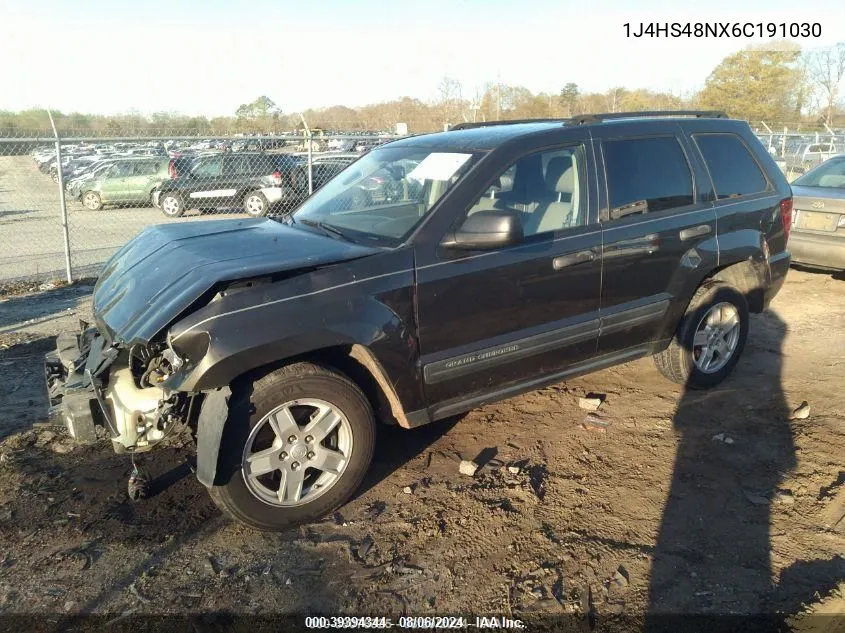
<point>158,274</point>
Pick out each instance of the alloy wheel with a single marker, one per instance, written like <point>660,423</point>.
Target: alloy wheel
<point>297,452</point>
<point>716,337</point>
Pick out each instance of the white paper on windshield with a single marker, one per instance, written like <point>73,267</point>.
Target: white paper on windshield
<point>438,166</point>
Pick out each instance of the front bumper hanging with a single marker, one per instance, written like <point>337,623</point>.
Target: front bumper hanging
<point>73,387</point>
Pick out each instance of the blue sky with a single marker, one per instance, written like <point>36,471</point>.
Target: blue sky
<point>208,57</point>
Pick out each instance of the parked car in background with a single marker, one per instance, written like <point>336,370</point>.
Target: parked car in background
<point>125,181</point>
<point>74,184</point>
<point>803,156</point>
<point>327,166</point>
<point>818,219</point>
<point>257,182</point>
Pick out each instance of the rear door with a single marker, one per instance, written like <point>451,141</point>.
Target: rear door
<point>114,187</point>
<point>138,185</point>
<point>658,232</point>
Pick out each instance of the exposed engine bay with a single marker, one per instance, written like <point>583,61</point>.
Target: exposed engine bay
<point>92,383</point>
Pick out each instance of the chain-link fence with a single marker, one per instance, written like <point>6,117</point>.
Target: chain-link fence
<point>67,204</point>
<point>797,152</point>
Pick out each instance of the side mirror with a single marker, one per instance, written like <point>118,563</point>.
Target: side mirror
<point>487,230</point>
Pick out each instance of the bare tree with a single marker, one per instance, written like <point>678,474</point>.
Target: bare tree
<point>826,69</point>
<point>449,100</point>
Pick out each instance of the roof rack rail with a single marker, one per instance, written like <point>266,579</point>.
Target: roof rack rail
<point>583,119</point>
<point>472,125</point>
<point>609,116</point>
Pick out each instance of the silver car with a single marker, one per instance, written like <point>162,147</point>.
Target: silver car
<point>817,239</point>
<point>802,157</point>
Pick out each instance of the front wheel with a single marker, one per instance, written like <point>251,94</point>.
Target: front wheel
<point>709,339</point>
<point>296,445</point>
<point>91,200</point>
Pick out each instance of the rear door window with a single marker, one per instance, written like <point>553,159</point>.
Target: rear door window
<point>732,167</point>
<point>145,168</point>
<point>207,168</point>
<point>646,175</point>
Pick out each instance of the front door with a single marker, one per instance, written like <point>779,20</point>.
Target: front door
<point>658,227</point>
<point>496,319</point>
<point>207,185</point>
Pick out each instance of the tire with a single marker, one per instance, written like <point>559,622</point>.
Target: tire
<point>171,205</point>
<point>255,204</point>
<point>91,201</point>
<point>257,502</point>
<point>682,361</point>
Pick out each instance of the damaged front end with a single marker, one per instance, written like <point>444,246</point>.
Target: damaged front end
<point>92,382</point>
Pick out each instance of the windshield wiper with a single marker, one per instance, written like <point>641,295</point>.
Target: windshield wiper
<point>327,228</point>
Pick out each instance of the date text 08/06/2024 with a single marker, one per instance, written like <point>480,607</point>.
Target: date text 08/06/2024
<point>414,622</point>
<point>722,29</point>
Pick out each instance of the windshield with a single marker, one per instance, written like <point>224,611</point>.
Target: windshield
<point>386,193</point>
<point>830,173</point>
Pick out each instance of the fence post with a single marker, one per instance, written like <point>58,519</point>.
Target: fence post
<point>783,142</point>
<point>62,201</point>
<point>310,165</point>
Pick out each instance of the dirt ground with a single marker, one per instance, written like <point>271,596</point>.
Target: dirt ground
<point>687,503</point>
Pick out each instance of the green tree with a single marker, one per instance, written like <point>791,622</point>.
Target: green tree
<point>568,98</point>
<point>261,108</point>
<point>756,84</point>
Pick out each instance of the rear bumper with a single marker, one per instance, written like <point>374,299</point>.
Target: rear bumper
<point>778,268</point>
<point>818,250</point>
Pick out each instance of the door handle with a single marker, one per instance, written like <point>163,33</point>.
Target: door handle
<point>697,231</point>
<point>574,258</point>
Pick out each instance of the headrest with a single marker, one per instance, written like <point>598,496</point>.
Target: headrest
<point>560,177</point>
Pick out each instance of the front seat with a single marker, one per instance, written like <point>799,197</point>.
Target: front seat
<point>555,213</point>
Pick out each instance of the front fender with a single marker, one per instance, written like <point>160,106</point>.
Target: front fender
<point>266,324</point>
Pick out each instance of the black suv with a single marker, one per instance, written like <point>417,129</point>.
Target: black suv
<point>257,182</point>
<point>507,256</point>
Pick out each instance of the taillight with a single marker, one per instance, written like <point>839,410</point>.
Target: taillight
<point>277,177</point>
<point>172,169</point>
<point>786,216</point>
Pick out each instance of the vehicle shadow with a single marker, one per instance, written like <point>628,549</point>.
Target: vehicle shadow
<point>712,567</point>
<point>23,395</point>
<point>396,446</point>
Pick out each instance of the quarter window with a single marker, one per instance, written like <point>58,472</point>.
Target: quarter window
<point>646,175</point>
<point>733,170</point>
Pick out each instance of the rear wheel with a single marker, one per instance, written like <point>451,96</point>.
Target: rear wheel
<point>91,200</point>
<point>255,204</point>
<point>709,339</point>
<point>172,205</point>
<point>296,445</point>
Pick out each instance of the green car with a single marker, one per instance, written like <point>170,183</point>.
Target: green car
<point>127,181</point>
